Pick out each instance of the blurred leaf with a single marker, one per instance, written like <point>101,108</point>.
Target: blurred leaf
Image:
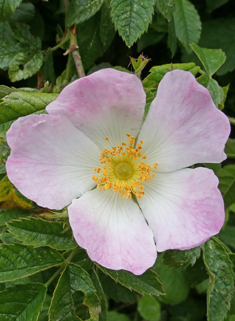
<point>217,93</point>
<point>19,104</point>
<point>107,30</point>
<point>24,13</point>
<point>149,308</point>
<point>226,177</point>
<point>81,10</point>
<point>174,281</point>
<point>220,33</point>
<point>220,270</point>
<point>115,316</point>
<point>7,238</point>
<point>172,40</point>
<point>116,291</point>
<point>230,148</point>
<point>22,302</point>
<point>177,258</point>
<point>146,283</point>
<point>187,23</point>
<point>214,4</point>
<point>73,278</point>
<point>7,7</point>
<point>225,90</point>
<point>104,301</point>
<point>10,197</point>
<point>189,310</point>
<point>17,261</point>
<point>131,18</point>
<point>8,215</point>
<point>166,7</point>
<point>149,38</point>
<point>212,59</point>
<point>43,316</point>
<point>227,235</point>
<point>37,232</point>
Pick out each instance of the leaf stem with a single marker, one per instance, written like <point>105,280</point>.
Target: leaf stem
<point>63,266</point>
<point>232,120</point>
<point>60,44</point>
<point>76,55</point>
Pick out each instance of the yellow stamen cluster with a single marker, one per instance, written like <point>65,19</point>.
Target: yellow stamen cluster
<point>123,170</point>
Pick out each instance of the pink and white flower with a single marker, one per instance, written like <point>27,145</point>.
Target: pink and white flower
<point>87,140</point>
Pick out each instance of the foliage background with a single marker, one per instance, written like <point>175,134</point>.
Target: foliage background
<point>43,274</point>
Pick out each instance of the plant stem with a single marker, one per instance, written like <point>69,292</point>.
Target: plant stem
<point>60,44</point>
<point>232,120</point>
<point>76,55</point>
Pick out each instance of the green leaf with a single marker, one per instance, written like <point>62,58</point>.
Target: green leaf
<point>149,38</point>
<point>107,30</point>
<point>131,18</point>
<point>176,258</point>
<point>172,40</point>
<point>116,291</point>
<point>22,302</point>
<point>7,238</point>
<point>37,232</point>
<point>115,316</point>
<point>48,68</point>
<point>73,278</point>
<point>187,23</point>
<point>149,308</point>
<point>212,59</point>
<point>220,33</point>
<point>220,270</point>
<point>104,302</point>
<point>174,281</point>
<point>7,7</point>
<point>227,235</point>
<point>8,215</point>
<point>230,148</point>
<point>22,67</point>
<point>217,93</point>
<point>226,177</point>
<point>17,261</point>
<point>166,7</point>
<point>43,316</point>
<point>19,104</point>
<point>146,283</point>
<point>81,10</point>
<point>214,4</point>
<point>24,13</point>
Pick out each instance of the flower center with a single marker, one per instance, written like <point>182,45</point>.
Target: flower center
<point>123,169</point>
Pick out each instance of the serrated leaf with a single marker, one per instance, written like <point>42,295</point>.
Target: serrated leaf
<point>22,302</point>
<point>81,10</point>
<point>19,104</point>
<point>220,33</point>
<point>10,197</point>
<point>187,23</point>
<point>147,283</point>
<point>217,93</point>
<point>176,258</point>
<point>8,215</point>
<point>37,232</point>
<point>73,278</point>
<point>149,308</point>
<point>212,59</point>
<point>230,148</point>
<point>131,18</point>
<point>24,13</point>
<point>226,177</point>
<point>166,7</point>
<point>22,67</point>
<point>220,270</point>
<point>7,238</point>
<point>7,7</point>
<point>17,261</point>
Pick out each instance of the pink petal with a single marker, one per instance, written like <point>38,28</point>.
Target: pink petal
<point>51,162</point>
<point>186,127</point>
<point>183,208</point>
<point>106,103</point>
<point>113,231</point>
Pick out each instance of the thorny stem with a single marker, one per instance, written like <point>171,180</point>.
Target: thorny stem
<point>76,55</point>
<point>63,266</point>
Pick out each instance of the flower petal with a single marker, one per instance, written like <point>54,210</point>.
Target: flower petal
<point>51,162</point>
<point>183,208</point>
<point>106,103</point>
<point>113,230</point>
<point>186,127</point>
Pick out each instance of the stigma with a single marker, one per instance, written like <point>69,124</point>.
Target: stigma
<point>123,169</point>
